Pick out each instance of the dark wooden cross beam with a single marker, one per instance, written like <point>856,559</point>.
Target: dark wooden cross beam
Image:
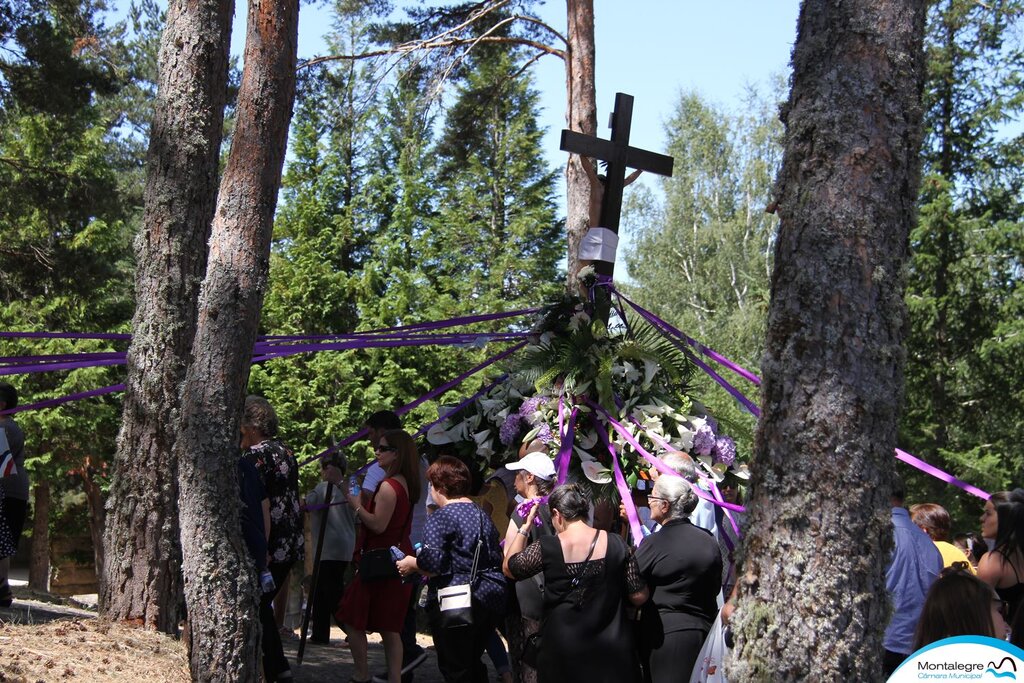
<point>619,156</point>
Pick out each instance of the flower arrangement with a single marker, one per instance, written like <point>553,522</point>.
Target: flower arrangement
<point>575,362</point>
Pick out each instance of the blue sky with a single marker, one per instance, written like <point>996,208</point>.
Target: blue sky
<point>651,49</point>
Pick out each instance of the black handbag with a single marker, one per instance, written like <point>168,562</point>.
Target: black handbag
<point>377,565</point>
<point>531,650</point>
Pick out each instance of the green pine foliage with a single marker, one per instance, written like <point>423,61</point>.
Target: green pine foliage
<point>701,259</point>
<point>965,372</point>
<point>381,225</point>
<point>65,258</point>
<point>496,222</point>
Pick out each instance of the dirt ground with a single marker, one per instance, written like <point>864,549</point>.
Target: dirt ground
<point>43,639</point>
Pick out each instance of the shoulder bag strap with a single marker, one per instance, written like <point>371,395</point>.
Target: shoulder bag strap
<point>593,544</point>
<point>479,544</point>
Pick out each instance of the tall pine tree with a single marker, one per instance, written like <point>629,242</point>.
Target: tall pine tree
<point>965,370</point>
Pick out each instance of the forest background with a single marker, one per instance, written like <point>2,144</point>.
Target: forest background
<point>408,199</point>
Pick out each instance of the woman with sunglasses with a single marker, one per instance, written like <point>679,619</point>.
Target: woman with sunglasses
<point>960,604</point>
<point>682,567</point>
<point>380,605</point>
<point>587,575</point>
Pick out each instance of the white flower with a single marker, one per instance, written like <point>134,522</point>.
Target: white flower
<point>584,455</point>
<point>596,473</point>
<point>578,320</point>
<point>685,441</point>
<point>588,440</point>
<point>485,450</point>
<point>650,370</point>
<point>490,405</point>
<point>632,374</point>
<point>438,435</point>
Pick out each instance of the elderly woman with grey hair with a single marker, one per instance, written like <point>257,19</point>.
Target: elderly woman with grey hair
<point>682,566</point>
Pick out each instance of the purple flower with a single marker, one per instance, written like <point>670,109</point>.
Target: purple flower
<point>703,441</point>
<point>544,434</point>
<point>531,405</point>
<point>510,428</point>
<point>725,450</point>
<point>712,422</point>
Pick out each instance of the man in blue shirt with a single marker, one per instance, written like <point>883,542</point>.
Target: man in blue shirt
<point>916,562</point>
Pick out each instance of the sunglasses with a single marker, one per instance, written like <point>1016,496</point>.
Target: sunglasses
<point>384,448</point>
<point>1002,606</point>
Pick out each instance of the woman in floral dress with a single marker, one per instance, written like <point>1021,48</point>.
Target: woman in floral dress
<point>280,474</point>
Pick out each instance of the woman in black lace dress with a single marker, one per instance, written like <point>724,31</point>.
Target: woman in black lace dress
<point>587,576</point>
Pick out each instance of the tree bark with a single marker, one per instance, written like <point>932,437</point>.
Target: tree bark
<point>813,602</point>
<point>580,116</point>
<point>141,579</point>
<point>220,585</point>
<point>39,563</point>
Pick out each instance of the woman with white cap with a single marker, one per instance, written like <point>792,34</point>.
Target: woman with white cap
<point>535,477</point>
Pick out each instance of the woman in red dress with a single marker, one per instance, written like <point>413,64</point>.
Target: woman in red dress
<point>380,605</point>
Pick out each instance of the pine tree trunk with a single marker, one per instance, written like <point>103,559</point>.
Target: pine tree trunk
<point>140,581</point>
<point>97,517</point>
<point>39,562</point>
<point>813,603</point>
<point>580,116</point>
<point>220,585</point>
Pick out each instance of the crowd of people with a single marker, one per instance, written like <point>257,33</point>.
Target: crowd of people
<point>941,589</point>
<point>549,570</point>
<point>559,593</point>
<point>552,574</point>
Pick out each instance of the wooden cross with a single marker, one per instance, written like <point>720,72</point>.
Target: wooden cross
<point>619,156</point>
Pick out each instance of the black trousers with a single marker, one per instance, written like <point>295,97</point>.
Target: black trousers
<point>672,659</point>
<point>459,650</point>
<point>330,585</point>
<point>410,648</point>
<point>274,662</point>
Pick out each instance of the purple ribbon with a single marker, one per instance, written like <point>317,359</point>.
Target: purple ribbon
<point>65,335</point>
<point>409,406</point>
<point>736,393</point>
<point>657,462</point>
<point>939,474</point>
<point>707,351</point>
<point>430,325</point>
<point>460,407</point>
<point>264,352</point>
<point>902,455</point>
<point>567,436</point>
<point>620,484</point>
<point>49,403</point>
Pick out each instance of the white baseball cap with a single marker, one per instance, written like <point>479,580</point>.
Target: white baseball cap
<point>537,464</point>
